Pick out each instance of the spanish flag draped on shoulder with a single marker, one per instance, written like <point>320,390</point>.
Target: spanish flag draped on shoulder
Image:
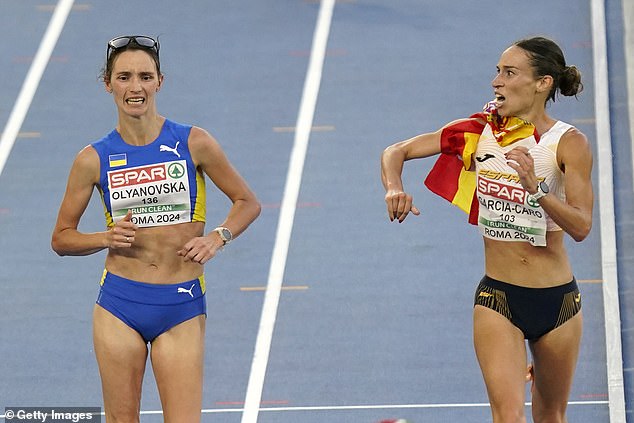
<point>452,176</point>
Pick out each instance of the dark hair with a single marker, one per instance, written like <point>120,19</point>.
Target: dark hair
<point>106,71</point>
<point>546,58</point>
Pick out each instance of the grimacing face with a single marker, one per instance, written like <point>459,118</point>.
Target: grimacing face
<point>134,81</point>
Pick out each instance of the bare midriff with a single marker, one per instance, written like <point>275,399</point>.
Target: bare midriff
<point>153,257</point>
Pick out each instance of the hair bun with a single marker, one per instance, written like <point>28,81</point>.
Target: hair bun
<point>570,81</point>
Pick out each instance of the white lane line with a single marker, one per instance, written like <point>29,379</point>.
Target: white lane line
<point>406,406</point>
<point>628,22</point>
<point>616,393</point>
<point>32,80</point>
<point>358,407</point>
<point>287,213</point>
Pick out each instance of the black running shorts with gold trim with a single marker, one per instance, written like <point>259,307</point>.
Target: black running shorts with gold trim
<point>534,311</point>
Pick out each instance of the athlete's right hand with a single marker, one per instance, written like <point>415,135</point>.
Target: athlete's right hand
<point>122,234</point>
<point>399,204</point>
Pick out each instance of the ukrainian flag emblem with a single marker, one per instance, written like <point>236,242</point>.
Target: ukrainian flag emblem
<point>117,160</point>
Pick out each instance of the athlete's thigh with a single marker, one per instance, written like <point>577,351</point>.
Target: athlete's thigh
<point>555,358</point>
<point>177,359</point>
<point>501,352</point>
<point>121,355</point>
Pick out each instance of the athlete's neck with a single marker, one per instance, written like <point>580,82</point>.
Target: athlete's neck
<point>140,130</point>
<point>542,122</point>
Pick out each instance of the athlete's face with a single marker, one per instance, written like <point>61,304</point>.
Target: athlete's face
<point>134,82</point>
<point>518,92</point>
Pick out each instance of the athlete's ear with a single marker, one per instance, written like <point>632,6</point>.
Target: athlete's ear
<point>545,83</point>
<point>107,85</point>
<point>160,83</point>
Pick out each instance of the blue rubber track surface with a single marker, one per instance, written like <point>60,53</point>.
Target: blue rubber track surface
<point>374,320</point>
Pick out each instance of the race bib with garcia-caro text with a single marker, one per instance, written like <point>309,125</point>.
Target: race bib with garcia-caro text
<point>507,212</point>
<point>157,194</point>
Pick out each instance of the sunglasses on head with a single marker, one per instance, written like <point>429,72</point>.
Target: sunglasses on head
<point>140,40</point>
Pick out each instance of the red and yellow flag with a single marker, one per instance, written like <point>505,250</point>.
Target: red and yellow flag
<point>451,177</point>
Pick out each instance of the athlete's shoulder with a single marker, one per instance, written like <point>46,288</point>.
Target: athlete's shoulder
<point>179,131</point>
<point>201,135</point>
<point>105,140</point>
<point>177,125</point>
<point>574,147</point>
<point>87,161</point>
<point>574,138</point>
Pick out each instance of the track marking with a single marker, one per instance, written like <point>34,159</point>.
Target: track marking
<point>590,280</point>
<point>361,407</point>
<point>299,205</point>
<point>584,121</point>
<point>29,59</point>
<point>32,80</point>
<point>267,402</point>
<point>323,128</point>
<point>30,134</point>
<point>628,29</point>
<point>287,213</point>
<point>305,53</point>
<point>611,311</point>
<point>284,288</point>
<point>406,406</point>
<point>77,7</point>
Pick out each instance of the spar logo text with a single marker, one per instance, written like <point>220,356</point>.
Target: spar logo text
<point>502,191</point>
<point>139,175</point>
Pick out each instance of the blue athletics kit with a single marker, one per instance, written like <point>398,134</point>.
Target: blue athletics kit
<point>160,184</point>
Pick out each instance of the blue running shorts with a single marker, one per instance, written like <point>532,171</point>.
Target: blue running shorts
<point>152,309</point>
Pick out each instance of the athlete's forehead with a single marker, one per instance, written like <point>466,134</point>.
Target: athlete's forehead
<point>134,61</point>
<point>514,58</point>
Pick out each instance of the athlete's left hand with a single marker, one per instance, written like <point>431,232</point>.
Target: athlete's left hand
<point>201,249</point>
<point>522,162</point>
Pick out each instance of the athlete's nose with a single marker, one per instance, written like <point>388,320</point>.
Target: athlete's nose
<point>135,85</point>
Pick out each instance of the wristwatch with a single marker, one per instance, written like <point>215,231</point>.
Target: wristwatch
<point>225,234</point>
<point>542,190</point>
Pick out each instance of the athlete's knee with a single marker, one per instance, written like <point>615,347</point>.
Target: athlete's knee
<point>557,418</point>
<point>553,414</point>
<point>508,413</point>
<point>190,416</point>
<point>121,416</point>
<point>548,406</point>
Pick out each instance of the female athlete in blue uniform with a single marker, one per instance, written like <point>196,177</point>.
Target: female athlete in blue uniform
<point>529,179</point>
<point>150,173</point>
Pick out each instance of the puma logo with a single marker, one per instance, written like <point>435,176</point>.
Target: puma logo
<point>173,150</point>
<point>486,157</point>
<point>189,291</point>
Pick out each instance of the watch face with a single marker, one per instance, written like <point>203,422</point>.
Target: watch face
<point>226,234</point>
<point>543,186</point>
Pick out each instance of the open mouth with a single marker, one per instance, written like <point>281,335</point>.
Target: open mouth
<point>135,100</point>
<point>499,99</point>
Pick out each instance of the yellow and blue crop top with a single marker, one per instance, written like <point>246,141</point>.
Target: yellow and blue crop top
<point>158,182</point>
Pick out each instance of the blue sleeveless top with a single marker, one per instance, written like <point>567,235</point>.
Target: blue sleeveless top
<point>158,182</point>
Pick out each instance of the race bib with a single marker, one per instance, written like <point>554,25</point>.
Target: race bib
<point>507,212</point>
<point>157,194</point>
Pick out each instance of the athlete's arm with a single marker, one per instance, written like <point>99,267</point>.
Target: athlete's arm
<point>208,156</point>
<point>66,239</point>
<point>399,203</point>
<point>574,157</point>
